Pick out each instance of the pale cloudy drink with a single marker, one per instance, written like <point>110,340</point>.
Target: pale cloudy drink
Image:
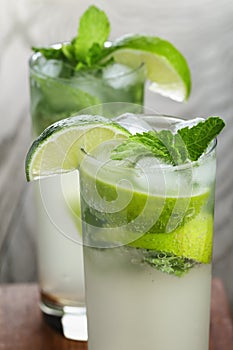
<point>147,248</point>
<point>58,91</point>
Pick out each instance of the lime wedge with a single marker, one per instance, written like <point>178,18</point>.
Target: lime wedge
<point>192,240</point>
<point>188,236</point>
<point>59,148</point>
<point>165,214</point>
<point>166,67</point>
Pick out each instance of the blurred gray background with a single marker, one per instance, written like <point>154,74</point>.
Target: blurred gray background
<point>201,29</point>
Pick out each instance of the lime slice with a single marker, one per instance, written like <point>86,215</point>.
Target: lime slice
<point>59,148</point>
<point>188,236</point>
<point>163,214</point>
<point>166,67</point>
<point>192,240</point>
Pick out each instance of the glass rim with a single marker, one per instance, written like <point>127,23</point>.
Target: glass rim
<point>34,56</point>
<point>161,166</point>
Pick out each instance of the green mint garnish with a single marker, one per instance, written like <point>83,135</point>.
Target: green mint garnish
<point>169,263</point>
<point>188,144</point>
<point>94,29</point>
<point>197,138</point>
<point>87,48</point>
<point>160,144</point>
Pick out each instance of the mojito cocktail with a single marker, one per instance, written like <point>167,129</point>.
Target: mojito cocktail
<point>147,202</point>
<point>72,76</point>
<point>54,97</point>
<point>147,229</point>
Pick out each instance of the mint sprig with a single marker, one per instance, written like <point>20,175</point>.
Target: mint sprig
<point>87,48</point>
<point>169,263</point>
<point>188,144</point>
<point>93,31</point>
<point>142,145</point>
<point>197,138</point>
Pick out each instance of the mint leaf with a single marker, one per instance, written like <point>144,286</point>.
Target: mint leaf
<point>87,48</point>
<point>189,143</point>
<point>197,138</point>
<point>94,29</point>
<point>130,150</point>
<point>68,52</point>
<point>145,144</point>
<point>163,145</point>
<point>175,146</point>
<point>169,263</point>
<point>50,53</point>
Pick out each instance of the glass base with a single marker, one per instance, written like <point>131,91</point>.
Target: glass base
<point>71,321</point>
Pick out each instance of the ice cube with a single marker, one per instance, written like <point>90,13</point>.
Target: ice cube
<point>133,123</point>
<point>51,68</point>
<point>190,123</point>
<point>118,75</point>
<point>103,151</point>
<point>204,174</point>
<point>150,162</point>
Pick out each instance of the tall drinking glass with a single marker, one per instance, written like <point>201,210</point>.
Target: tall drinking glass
<point>147,233</point>
<point>56,93</point>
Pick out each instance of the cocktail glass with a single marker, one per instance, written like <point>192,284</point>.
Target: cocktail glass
<point>147,232</point>
<point>60,260</point>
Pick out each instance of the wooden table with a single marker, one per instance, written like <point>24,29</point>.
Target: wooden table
<point>22,326</point>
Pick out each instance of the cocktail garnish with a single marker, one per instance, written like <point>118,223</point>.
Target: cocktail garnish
<point>165,67</point>
<point>84,50</point>
<point>170,263</point>
<point>188,144</point>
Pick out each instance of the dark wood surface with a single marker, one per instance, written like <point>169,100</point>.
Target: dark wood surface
<point>22,326</point>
